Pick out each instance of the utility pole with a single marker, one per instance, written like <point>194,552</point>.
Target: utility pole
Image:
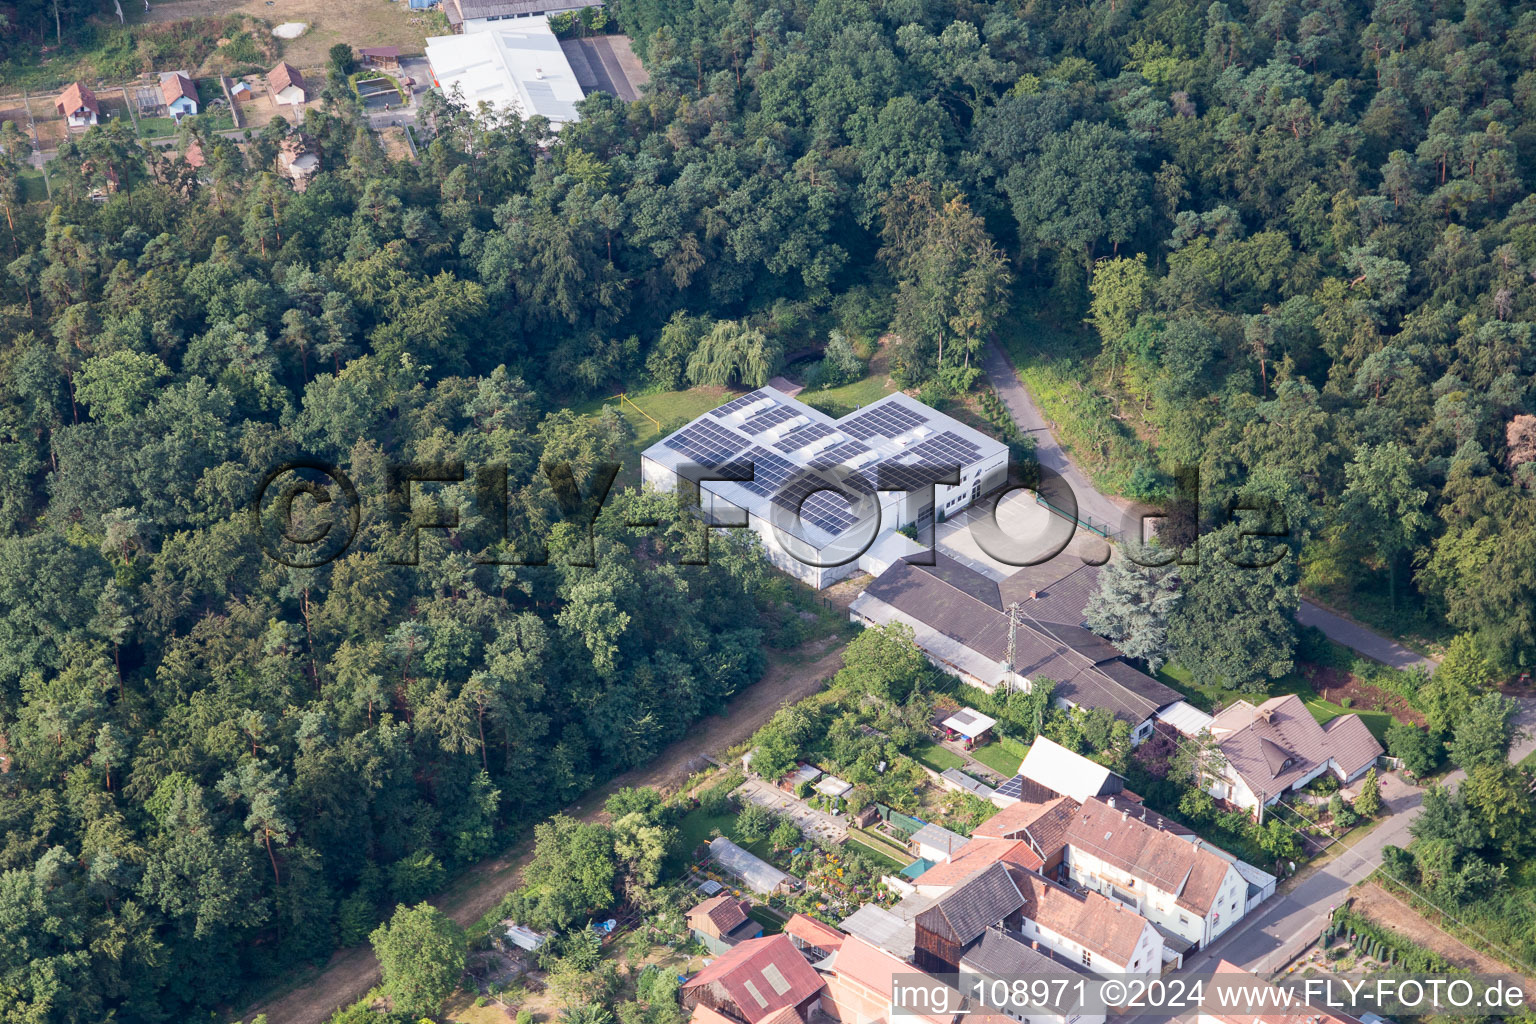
<point>1013,628</point>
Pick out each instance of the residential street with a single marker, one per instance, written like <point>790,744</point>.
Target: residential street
<point>1271,936</point>
<point>1098,508</point>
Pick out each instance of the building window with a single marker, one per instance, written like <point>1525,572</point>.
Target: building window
<point>1087,957</point>
<point>1135,963</point>
<point>1183,919</point>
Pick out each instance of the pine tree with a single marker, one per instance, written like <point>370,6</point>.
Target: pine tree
<point>1369,800</point>
<point>1130,609</point>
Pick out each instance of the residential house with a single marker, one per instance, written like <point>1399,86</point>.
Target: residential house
<point>859,980</point>
<point>1042,827</point>
<point>956,919</point>
<point>815,939</point>
<point>78,106</point>
<point>286,84</point>
<point>1097,932</point>
<point>935,843</point>
<point>1185,889</point>
<point>386,57</point>
<point>179,93</point>
<point>1007,958</point>
<point>1278,746</point>
<point>755,982</point>
<point>959,620</point>
<point>721,922</point>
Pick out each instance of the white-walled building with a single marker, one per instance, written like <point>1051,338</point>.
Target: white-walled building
<point>1278,746</point>
<point>1005,958</point>
<point>827,496</point>
<point>514,66</point>
<point>1171,880</point>
<point>1100,934</point>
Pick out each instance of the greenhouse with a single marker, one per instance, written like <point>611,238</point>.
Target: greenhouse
<point>754,872</point>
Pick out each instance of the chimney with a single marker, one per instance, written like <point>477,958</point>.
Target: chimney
<point>538,72</point>
<point>1111,802</point>
<point>1124,815</point>
<point>1034,595</point>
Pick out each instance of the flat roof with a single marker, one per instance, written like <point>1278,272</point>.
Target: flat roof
<point>969,722</point>
<point>796,452</point>
<point>515,66</point>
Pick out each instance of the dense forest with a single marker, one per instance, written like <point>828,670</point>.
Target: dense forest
<point>1301,232</point>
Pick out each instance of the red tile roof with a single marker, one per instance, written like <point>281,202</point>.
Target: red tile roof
<point>761,976</point>
<point>873,969</point>
<point>1099,924</point>
<point>1043,825</point>
<point>76,97</point>
<point>1161,859</point>
<point>814,932</point>
<point>705,1015</point>
<point>176,85</point>
<point>284,75</point>
<point>977,854</point>
<point>724,912</point>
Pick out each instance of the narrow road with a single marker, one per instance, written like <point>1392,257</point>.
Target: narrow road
<point>350,973</point>
<point>1098,508</point>
<point>1283,927</point>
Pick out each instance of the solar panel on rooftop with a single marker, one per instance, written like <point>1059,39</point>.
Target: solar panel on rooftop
<point>889,420</point>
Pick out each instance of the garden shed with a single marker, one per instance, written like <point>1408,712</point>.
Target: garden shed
<point>754,872</point>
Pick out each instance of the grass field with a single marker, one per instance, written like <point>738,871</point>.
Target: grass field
<point>874,855</point>
<point>156,127</point>
<point>34,189</point>
<point>999,760</point>
<point>843,400</point>
<point>669,408</point>
<point>937,758</point>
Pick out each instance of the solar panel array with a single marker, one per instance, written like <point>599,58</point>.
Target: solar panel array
<point>770,417</point>
<point>734,404</point>
<point>802,436</point>
<point>770,471</point>
<point>839,453</point>
<point>948,449</point>
<point>889,420</point>
<point>705,443</point>
<point>821,500</point>
<point>822,507</point>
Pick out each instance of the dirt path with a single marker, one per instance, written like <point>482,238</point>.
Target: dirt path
<point>1387,910</point>
<point>352,972</point>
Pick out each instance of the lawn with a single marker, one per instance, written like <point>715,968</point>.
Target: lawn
<point>34,189</point>
<point>697,828</point>
<point>999,760</point>
<point>156,127</point>
<point>843,400</point>
<point>668,408</point>
<point>937,758</point>
<point>874,855</point>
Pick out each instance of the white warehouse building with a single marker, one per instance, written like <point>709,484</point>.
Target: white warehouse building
<point>827,496</point>
<point>512,67</point>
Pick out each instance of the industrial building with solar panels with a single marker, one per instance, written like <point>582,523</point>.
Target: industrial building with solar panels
<point>827,496</point>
